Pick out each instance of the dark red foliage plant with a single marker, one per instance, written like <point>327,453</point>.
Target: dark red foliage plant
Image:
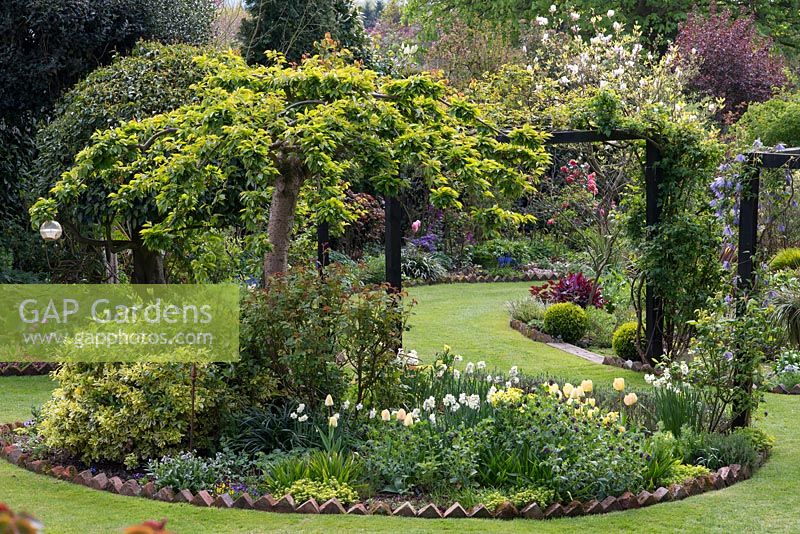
<point>574,287</point>
<point>732,59</point>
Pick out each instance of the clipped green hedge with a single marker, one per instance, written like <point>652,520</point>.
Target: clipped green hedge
<point>566,320</point>
<point>624,341</point>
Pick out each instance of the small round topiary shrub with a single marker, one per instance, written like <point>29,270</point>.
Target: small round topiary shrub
<point>624,341</point>
<point>566,320</point>
<point>788,258</point>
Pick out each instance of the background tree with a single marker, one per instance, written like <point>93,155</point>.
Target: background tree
<point>659,21</point>
<point>733,61</point>
<point>292,28</point>
<point>46,48</point>
<point>154,79</point>
<point>264,142</point>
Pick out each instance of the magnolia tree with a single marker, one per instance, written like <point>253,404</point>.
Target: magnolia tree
<point>264,142</point>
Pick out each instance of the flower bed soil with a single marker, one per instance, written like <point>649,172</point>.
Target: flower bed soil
<point>723,477</point>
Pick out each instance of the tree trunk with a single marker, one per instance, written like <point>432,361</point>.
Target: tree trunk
<point>148,266</point>
<point>281,220</point>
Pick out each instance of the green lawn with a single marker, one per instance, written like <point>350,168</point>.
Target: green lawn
<point>469,318</point>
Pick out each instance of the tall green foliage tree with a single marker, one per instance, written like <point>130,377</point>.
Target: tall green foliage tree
<point>263,142</point>
<point>45,48</point>
<point>293,27</point>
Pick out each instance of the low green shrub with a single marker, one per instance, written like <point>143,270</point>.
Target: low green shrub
<point>600,331</point>
<point>624,341</point>
<point>680,473</point>
<point>419,264</point>
<point>788,258</point>
<point>714,450</point>
<point>761,440</point>
<point>491,499</point>
<point>321,491</point>
<point>130,412</point>
<point>189,471</point>
<point>519,251</point>
<point>566,320</point>
<point>527,309</point>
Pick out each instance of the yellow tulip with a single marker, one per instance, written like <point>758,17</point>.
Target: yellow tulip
<point>619,384</point>
<point>333,421</point>
<point>408,420</point>
<point>587,386</point>
<point>621,429</point>
<point>630,399</point>
<point>401,414</point>
<point>568,389</point>
<point>386,415</point>
<point>328,401</point>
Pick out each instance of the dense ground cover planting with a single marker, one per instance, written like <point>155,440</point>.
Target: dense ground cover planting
<point>763,503</point>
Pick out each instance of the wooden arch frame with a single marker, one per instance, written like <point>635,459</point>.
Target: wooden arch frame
<point>654,311</point>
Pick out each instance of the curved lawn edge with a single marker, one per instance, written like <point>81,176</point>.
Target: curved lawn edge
<point>722,478</point>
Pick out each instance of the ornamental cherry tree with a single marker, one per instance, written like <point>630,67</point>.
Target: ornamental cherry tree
<point>264,143</point>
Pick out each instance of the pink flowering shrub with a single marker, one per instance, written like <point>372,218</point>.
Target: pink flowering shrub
<point>733,61</point>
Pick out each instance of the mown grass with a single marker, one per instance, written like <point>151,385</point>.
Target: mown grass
<point>471,319</point>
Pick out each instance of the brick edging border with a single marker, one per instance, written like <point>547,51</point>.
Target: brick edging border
<point>27,369</point>
<point>782,389</point>
<point>723,477</point>
<point>535,334</point>
<point>479,279</point>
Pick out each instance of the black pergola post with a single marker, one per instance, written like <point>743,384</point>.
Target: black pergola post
<point>748,229</point>
<point>654,309</point>
<point>394,244</point>
<point>323,245</point>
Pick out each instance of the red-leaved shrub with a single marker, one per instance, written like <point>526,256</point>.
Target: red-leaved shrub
<point>574,287</point>
<point>733,60</point>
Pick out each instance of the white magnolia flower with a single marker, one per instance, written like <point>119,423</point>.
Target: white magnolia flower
<point>574,15</point>
<point>541,21</point>
<point>611,13</point>
<point>303,418</point>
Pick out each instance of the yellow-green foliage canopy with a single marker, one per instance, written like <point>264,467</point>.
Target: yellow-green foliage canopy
<point>179,176</point>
